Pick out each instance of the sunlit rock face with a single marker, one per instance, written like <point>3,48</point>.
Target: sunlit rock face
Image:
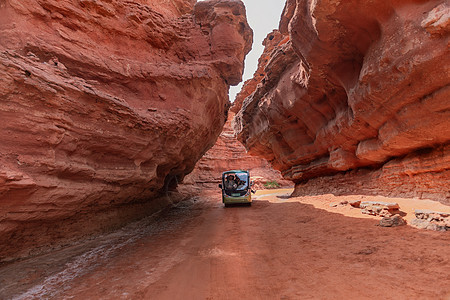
<point>358,100</point>
<point>106,104</point>
<point>273,40</point>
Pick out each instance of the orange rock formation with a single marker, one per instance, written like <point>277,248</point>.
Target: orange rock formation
<point>357,100</point>
<point>104,104</point>
<point>229,154</point>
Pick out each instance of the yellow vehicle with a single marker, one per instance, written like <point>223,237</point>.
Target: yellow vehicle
<point>236,187</point>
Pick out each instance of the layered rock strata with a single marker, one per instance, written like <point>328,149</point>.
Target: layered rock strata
<point>275,39</point>
<point>229,154</point>
<point>104,106</point>
<point>357,100</point>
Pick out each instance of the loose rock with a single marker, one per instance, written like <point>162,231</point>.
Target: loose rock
<point>392,221</point>
<point>355,203</point>
<point>431,220</point>
<point>379,208</point>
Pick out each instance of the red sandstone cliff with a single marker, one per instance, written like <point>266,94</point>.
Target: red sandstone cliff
<point>103,105</point>
<point>273,40</point>
<point>358,100</point>
<point>229,154</point>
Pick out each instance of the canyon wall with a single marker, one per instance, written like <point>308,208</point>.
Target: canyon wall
<point>104,107</point>
<point>229,154</point>
<point>355,98</point>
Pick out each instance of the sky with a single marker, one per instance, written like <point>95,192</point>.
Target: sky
<point>263,16</point>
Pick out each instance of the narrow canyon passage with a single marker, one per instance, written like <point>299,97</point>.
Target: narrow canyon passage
<point>113,112</point>
<point>275,249</point>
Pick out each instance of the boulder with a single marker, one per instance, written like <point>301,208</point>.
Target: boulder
<point>392,221</point>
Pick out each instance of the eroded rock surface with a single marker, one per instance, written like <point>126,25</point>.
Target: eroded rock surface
<point>104,105</point>
<point>358,99</point>
<point>273,40</point>
<point>431,220</point>
<point>229,154</point>
<point>392,221</point>
<point>382,209</point>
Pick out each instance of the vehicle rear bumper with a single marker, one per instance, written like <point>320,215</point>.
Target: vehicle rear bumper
<point>231,200</point>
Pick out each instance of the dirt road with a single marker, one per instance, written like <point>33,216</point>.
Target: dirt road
<point>276,249</point>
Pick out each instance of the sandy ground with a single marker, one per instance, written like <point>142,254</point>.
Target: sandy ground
<point>407,205</point>
<point>279,248</point>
